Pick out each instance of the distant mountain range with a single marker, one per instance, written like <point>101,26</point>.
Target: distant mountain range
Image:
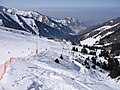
<point>47,26</point>
<point>73,24</point>
<point>107,35</point>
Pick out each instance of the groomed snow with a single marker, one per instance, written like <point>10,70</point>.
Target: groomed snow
<point>40,72</point>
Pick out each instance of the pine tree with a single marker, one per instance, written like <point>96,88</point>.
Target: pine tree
<point>94,60</point>
<point>84,51</point>
<point>87,64</point>
<point>93,66</point>
<point>115,72</point>
<point>76,50</point>
<point>104,66</point>
<point>57,61</point>
<point>61,56</point>
<point>73,49</point>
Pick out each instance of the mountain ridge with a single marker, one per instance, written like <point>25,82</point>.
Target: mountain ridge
<point>106,36</point>
<point>27,20</point>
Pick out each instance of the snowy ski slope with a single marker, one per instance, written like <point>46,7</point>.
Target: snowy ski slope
<point>40,72</point>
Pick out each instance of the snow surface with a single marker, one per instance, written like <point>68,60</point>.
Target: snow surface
<point>72,23</point>
<point>92,40</point>
<point>106,27</point>
<point>40,72</point>
<point>96,38</point>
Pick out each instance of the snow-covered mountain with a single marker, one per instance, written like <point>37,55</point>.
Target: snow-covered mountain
<point>105,33</point>
<point>47,26</point>
<point>28,20</point>
<point>29,71</point>
<point>73,23</point>
<point>106,36</point>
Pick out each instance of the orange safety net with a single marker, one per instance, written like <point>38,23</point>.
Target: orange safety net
<point>4,66</point>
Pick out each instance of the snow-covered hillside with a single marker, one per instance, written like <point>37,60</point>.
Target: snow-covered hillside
<point>41,72</point>
<point>73,23</point>
<point>99,34</point>
<point>28,20</point>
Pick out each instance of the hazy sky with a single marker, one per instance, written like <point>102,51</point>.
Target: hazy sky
<point>61,3</point>
<point>89,11</point>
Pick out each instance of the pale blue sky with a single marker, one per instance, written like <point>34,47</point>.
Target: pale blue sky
<point>88,11</point>
<point>60,3</point>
